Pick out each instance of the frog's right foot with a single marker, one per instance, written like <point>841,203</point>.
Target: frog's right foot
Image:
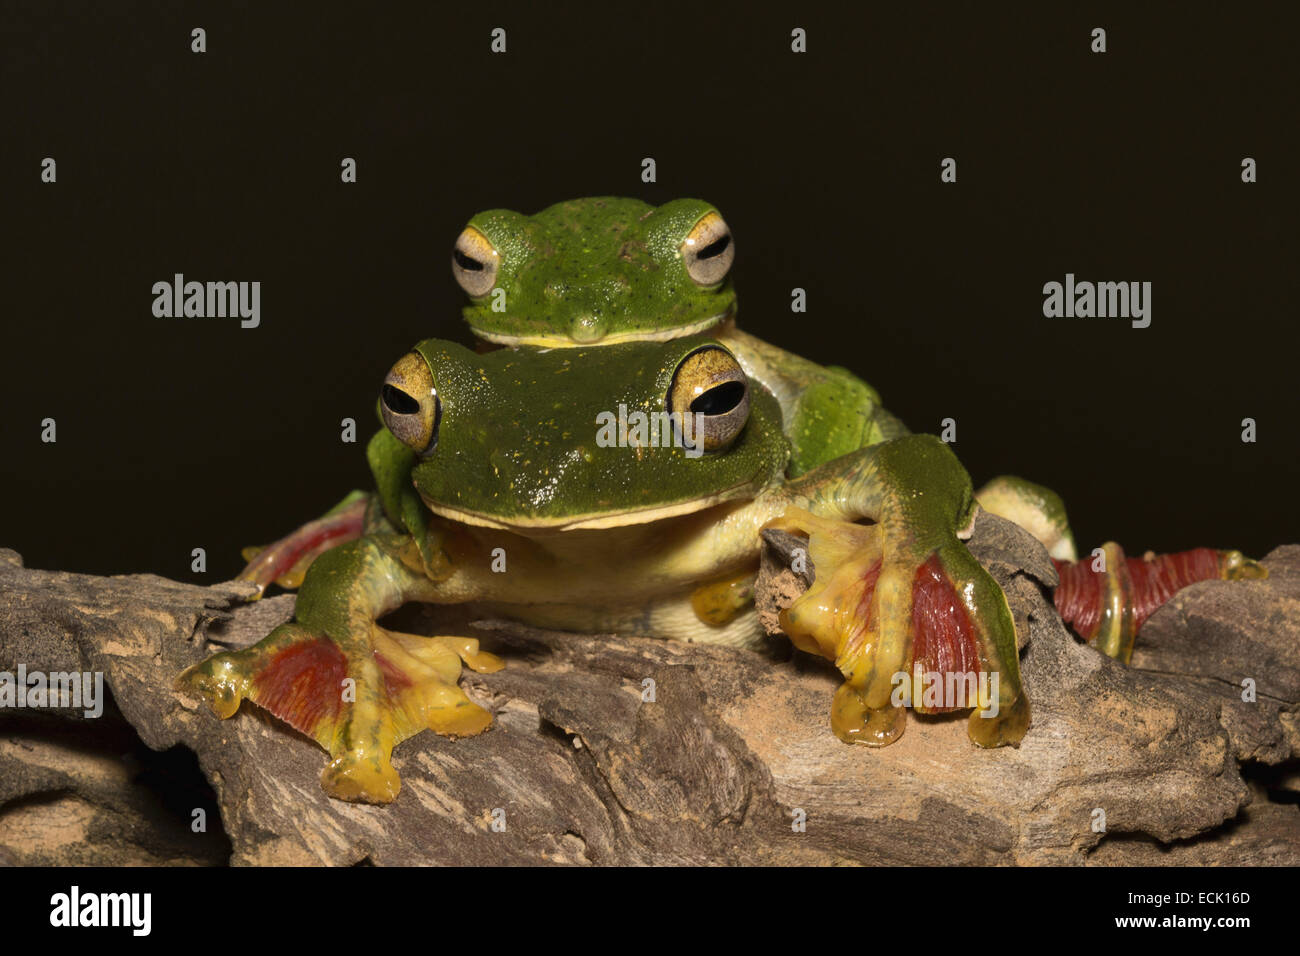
<point>286,561</point>
<point>357,705</point>
<point>908,625</point>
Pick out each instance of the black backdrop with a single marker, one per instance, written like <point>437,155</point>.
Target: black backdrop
<point>175,433</point>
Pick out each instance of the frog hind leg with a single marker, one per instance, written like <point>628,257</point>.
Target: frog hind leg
<point>1107,597</point>
<point>355,688</point>
<point>1037,509</point>
<point>285,562</point>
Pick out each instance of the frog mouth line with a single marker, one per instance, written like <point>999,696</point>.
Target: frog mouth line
<point>658,335</point>
<point>594,521</point>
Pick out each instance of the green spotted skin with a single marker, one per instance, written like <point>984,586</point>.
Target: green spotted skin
<point>599,269</point>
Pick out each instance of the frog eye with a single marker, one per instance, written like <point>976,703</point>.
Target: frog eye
<point>708,250</point>
<point>709,396</point>
<point>410,405</point>
<point>474,262</point>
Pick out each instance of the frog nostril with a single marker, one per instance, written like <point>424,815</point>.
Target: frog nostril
<point>397,401</point>
<point>587,327</point>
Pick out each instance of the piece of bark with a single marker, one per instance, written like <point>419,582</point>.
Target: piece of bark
<point>1231,636</point>
<point>80,792</point>
<point>732,761</point>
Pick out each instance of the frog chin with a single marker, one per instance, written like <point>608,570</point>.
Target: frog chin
<point>522,524</point>
<point>565,341</point>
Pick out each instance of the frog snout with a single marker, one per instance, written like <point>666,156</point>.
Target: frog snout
<point>410,405</point>
<point>587,328</point>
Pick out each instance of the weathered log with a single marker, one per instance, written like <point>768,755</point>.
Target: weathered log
<point>726,762</point>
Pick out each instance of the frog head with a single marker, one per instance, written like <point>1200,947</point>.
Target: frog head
<point>594,270</point>
<point>527,439</point>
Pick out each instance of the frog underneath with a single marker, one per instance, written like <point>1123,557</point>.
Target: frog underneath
<point>503,451</point>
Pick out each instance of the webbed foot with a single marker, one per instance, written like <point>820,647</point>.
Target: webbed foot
<point>357,706</point>
<point>907,625</point>
<point>351,685</point>
<point>1108,597</point>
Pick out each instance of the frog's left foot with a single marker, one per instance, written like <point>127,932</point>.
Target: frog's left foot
<point>286,561</point>
<point>1108,597</point>
<point>358,705</point>
<point>928,629</point>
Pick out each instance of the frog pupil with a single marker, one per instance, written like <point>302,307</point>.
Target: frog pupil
<point>715,248</point>
<point>720,399</point>
<point>398,402</point>
<point>465,262</point>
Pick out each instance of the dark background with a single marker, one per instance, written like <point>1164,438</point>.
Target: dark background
<point>183,433</point>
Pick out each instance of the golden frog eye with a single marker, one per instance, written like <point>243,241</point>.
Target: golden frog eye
<point>410,405</point>
<point>708,250</point>
<point>474,262</point>
<point>709,397</point>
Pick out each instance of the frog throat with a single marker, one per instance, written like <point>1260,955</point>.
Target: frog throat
<point>559,341</point>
